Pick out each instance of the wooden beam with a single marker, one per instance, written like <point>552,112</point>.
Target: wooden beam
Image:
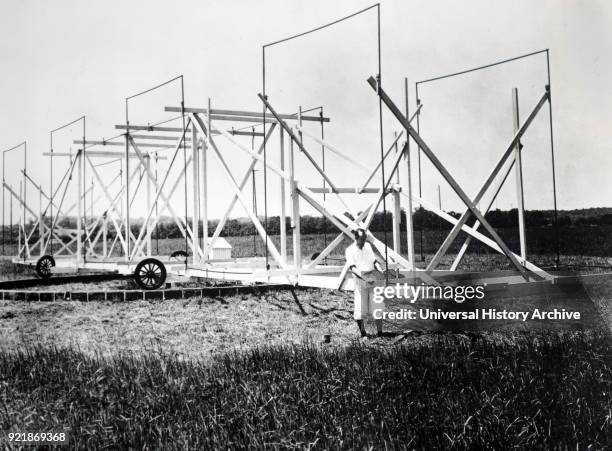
<point>518,167</point>
<point>118,144</point>
<point>240,146</point>
<point>294,197</point>
<point>380,162</point>
<point>259,114</point>
<point>195,215</point>
<point>159,194</point>
<point>97,153</point>
<point>238,193</point>
<point>319,190</point>
<point>298,142</point>
<point>158,137</point>
<point>204,129</point>
<point>243,133</point>
<point>223,117</point>
<point>283,199</point>
<point>80,174</point>
<point>409,218</point>
<point>496,189</point>
<point>473,232</point>
<point>204,193</point>
<point>471,205</point>
<point>113,201</point>
<point>228,114</point>
<point>150,128</point>
<point>396,213</point>
<point>382,192</point>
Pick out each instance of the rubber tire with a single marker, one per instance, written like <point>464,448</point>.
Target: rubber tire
<point>149,266</point>
<point>44,265</point>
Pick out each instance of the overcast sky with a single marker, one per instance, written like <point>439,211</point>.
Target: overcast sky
<point>63,59</point>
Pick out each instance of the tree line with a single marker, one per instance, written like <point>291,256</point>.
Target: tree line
<point>422,220</point>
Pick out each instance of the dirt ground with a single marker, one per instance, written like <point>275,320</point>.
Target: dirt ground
<point>195,327</point>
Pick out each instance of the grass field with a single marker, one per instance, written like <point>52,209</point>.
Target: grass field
<point>250,371</point>
<point>446,392</point>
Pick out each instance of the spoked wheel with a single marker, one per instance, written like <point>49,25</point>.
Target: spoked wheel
<point>44,265</point>
<point>179,255</point>
<point>150,274</point>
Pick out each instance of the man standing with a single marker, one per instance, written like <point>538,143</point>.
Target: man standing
<point>362,264</point>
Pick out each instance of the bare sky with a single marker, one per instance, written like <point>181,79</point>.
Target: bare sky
<point>63,59</point>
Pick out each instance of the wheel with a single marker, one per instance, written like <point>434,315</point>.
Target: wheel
<point>179,255</point>
<point>150,274</point>
<point>44,265</point>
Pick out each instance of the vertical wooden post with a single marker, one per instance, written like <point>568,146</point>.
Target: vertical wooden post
<point>20,225</point>
<point>121,204</point>
<point>518,168</point>
<point>79,203</point>
<point>397,215</point>
<point>104,236</point>
<point>156,210</point>
<point>3,212</point>
<point>41,229</point>
<point>24,197</point>
<point>148,224</point>
<point>295,212</point>
<point>396,212</point>
<point>127,194</point>
<point>205,146</point>
<point>11,218</point>
<point>297,230</point>
<point>195,220</point>
<point>204,194</point>
<point>409,224</point>
<point>283,213</point>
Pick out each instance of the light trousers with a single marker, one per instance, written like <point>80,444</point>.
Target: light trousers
<point>364,305</point>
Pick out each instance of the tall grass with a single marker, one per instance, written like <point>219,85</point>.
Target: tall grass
<point>449,391</point>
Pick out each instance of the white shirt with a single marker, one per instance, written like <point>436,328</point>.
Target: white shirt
<point>363,259</point>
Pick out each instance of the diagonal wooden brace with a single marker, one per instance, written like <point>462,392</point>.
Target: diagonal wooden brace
<point>197,121</point>
<point>284,125</point>
<point>454,185</point>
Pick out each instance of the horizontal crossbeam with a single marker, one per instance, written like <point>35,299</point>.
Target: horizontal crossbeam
<point>120,144</point>
<point>98,153</point>
<point>150,128</point>
<point>158,137</point>
<point>243,133</point>
<point>346,190</point>
<point>245,116</point>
